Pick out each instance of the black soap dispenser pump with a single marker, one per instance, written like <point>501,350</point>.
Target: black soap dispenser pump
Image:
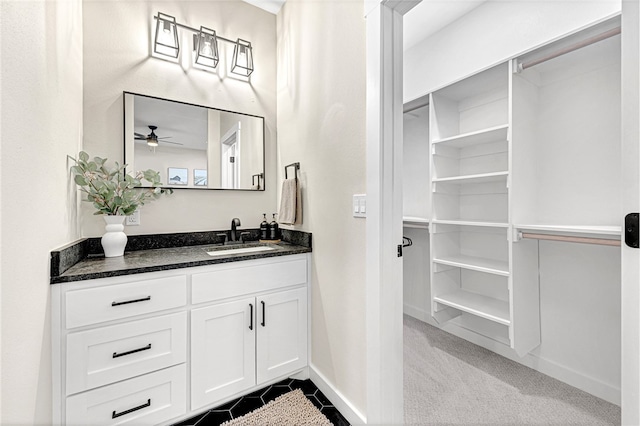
<point>264,228</point>
<point>274,229</point>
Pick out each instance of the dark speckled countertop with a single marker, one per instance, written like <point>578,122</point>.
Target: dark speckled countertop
<point>76,262</point>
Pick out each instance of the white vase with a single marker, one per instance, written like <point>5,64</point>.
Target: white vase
<point>114,240</point>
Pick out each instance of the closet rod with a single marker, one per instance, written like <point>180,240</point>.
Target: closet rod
<point>605,35</point>
<point>568,239</point>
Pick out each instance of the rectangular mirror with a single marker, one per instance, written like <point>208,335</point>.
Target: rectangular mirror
<point>193,146</point>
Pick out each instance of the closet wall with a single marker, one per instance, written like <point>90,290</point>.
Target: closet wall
<point>558,172</point>
<point>416,207</point>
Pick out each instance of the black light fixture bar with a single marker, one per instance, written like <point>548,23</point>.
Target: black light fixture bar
<point>186,27</point>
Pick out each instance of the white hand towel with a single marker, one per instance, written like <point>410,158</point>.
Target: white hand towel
<point>290,203</point>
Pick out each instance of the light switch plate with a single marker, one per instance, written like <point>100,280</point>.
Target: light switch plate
<point>359,205</point>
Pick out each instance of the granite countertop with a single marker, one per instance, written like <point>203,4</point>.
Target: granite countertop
<point>75,262</point>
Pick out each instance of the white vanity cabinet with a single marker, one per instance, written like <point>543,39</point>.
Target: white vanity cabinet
<point>158,347</point>
<point>247,342</point>
<point>254,331</point>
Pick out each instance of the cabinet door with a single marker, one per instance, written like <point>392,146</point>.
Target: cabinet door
<point>222,351</point>
<point>282,333</point>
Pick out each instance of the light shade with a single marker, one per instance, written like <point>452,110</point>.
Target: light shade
<point>242,63</point>
<point>166,39</point>
<point>205,44</point>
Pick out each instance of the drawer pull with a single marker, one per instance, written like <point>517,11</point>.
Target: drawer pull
<point>251,316</point>
<point>263,313</point>
<point>126,302</point>
<point>131,410</point>
<point>116,355</point>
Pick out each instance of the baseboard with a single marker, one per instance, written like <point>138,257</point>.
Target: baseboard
<point>560,372</point>
<point>417,313</point>
<point>338,400</point>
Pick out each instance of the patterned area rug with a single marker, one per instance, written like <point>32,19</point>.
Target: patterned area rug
<point>290,409</point>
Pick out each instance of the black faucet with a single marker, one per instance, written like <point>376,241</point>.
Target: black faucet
<point>235,222</point>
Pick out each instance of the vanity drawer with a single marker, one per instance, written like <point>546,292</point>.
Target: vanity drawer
<point>146,400</point>
<point>100,304</point>
<point>105,355</point>
<point>233,282</point>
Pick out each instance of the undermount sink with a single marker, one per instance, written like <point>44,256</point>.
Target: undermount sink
<point>224,251</point>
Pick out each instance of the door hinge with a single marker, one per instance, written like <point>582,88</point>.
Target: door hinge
<point>232,159</point>
<point>631,230</point>
<point>399,250</point>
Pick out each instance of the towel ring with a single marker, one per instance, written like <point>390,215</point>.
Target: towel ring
<point>296,167</point>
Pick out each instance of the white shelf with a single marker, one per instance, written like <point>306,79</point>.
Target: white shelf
<point>415,219</point>
<point>472,223</point>
<point>564,229</point>
<point>415,222</point>
<point>477,304</point>
<point>488,329</point>
<point>492,134</point>
<point>478,178</point>
<point>489,266</point>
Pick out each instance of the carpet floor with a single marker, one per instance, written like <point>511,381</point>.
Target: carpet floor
<point>449,381</point>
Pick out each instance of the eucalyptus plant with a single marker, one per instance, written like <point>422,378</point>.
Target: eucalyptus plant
<point>113,191</point>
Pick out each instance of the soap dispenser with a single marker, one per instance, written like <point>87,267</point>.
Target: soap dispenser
<point>264,228</point>
<point>274,229</point>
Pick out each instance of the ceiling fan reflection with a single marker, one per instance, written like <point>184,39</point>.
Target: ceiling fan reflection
<point>152,139</point>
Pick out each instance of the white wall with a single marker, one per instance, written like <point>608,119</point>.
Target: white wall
<point>117,45</point>
<point>41,120</point>
<point>492,33</point>
<point>415,171</point>
<point>321,124</point>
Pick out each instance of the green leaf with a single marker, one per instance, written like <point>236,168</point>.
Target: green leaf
<point>80,180</point>
<point>83,156</point>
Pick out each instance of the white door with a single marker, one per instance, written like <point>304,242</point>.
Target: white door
<point>630,203</point>
<point>230,158</point>
<point>282,333</point>
<point>223,348</point>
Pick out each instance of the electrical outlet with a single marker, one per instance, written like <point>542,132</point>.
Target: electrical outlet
<point>133,219</point>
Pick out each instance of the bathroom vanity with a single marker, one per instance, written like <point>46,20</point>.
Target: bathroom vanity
<point>160,335</point>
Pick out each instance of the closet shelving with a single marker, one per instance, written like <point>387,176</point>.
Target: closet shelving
<point>533,151</point>
<point>415,222</point>
<point>470,159</point>
<point>477,304</point>
<point>477,137</point>
<point>474,263</point>
<point>566,131</point>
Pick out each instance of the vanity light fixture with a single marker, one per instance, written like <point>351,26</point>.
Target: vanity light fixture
<point>242,63</point>
<point>166,39</point>
<point>205,45</point>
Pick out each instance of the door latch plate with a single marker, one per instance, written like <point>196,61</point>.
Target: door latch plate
<point>632,229</point>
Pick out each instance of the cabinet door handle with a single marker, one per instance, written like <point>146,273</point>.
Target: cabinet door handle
<point>126,302</point>
<point>263,313</point>
<point>116,355</point>
<point>250,316</point>
<point>131,410</point>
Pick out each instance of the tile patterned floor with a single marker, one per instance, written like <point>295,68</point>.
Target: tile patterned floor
<point>257,399</point>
